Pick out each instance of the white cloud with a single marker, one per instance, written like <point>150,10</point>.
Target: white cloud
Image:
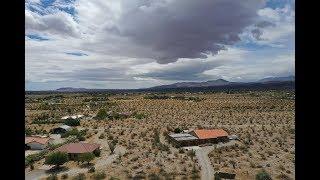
<point>130,38</point>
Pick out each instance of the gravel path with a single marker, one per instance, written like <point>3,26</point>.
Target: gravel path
<point>35,174</point>
<point>207,171</point>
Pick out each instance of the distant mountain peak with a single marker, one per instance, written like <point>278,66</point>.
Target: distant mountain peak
<point>70,89</point>
<point>218,80</point>
<point>279,79</point>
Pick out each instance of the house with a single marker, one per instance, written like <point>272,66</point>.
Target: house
<point>61,129</point>
<point>74,149</point>
<point>72,117</point>
<point>198,137</point>
<point>210,135</point>
<point>77,116</point>
<point>183,139</point>
<point>233,137</point>
<point>37,142</point>
<point>65,117</point>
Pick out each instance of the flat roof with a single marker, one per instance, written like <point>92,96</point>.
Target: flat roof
<point>182,137</point>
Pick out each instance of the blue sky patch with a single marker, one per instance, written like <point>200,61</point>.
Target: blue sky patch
<point>76,54</point>
<point>69,10</point>
<point>46,3</point>
<point>278,3</point>
<point>49,6</point>
<point>37,37</point>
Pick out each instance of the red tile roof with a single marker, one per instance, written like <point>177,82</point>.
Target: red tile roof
<point>210,133</point>
<point>78,148</point>
<point>40,140</point>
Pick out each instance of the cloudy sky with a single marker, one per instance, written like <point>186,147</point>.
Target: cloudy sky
<point>142,43</point>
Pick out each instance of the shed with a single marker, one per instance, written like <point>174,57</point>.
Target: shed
<point>183,139</point>
<point>233,137</point>
<point>61,129</point>
<point>37,143</point>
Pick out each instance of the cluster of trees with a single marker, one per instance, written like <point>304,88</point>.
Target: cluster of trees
<point>263,175</point>
<point>103,114</point>
<point>75,132</point>
<point>29,131</point>
<point>184,98</point>
<point>72,122</point>
<point>94,99</point>
<point>30,159</point>
<point>59,158</point>
<point>44,119</point>
<point>177,130</point>
<point>156,97</point>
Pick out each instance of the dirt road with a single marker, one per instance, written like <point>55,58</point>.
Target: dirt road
<point>207,171</point>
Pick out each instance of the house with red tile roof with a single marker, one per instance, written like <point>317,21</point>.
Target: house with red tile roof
<point>198,137</point>
<point>37,142</point>
<point>210,135</point>
<point>74,149</point>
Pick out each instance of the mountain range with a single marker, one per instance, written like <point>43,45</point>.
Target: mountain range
<point>219,84</point>
<point>222,82</point>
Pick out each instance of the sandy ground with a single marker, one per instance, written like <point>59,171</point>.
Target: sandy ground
<point>29,152</point>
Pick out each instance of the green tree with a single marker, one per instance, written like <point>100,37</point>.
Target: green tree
<point>177,130</point>
<point>86,157</point>
<point>28,131</point>
<point>263,175</point>
<point>102,114</point>
<point>99,175</point>
<point>57,158</point>
<point>97,153</point>
<point>139,115</point>
<point>112,145</point>
<point>191,153</point>
<point>72,122</point>
<point>52,177</point>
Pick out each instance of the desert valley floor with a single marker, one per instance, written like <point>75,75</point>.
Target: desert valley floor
<point>135,146</point>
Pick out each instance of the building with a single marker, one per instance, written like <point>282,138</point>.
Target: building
<point>37,143</point>
<point>198,137</point>
<point>233,137</point>
<point>206,136</point>
<point>73,117</point>
<point>61,129</point>
<point>74,149</point>
<point>183,139</point>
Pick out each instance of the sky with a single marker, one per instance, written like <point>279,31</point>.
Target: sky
<point>128,44</point>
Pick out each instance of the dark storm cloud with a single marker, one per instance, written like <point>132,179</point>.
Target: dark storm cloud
<point>185,71</point>
<point>184,29</point>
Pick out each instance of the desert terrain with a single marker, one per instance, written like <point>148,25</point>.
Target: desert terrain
<point>264,122</point>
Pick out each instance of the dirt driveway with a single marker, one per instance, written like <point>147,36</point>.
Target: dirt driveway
<point>207,171</point>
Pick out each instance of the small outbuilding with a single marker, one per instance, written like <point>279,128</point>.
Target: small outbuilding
<point>183,139</point>
<point>74,149</point>
<point>233,137</point>
<point>73,117</point>
<point>61,129</point>
<point>37,142</point>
